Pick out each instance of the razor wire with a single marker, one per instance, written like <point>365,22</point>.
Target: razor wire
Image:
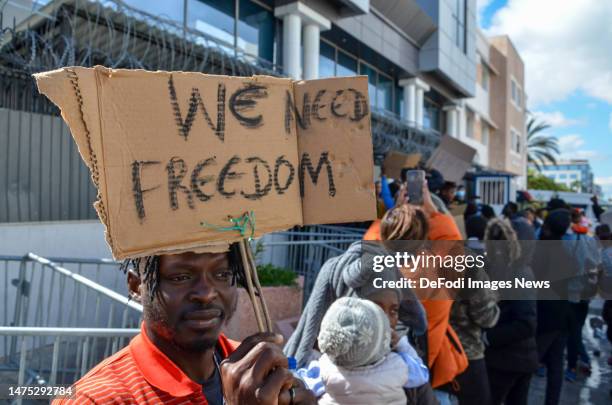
<point>113,34</point>
<point>389,133</point>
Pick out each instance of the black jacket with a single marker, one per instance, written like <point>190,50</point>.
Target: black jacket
<point>511,344</point>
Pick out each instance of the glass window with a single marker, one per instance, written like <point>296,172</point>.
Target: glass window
<point>327,60</point>
<point>518,143</point>
<point>470,124</point>
<point>366,70</point>
<point>573,176</point>
<point>432,116</point>
<point>562,176</point>
<point>485,77</point>
<point>400,108</point>
<point>485,133</point>
<point>347,65</point>
<point>214,18</point>
<point>384,95</point>
<point>171,9</point>
<point>458,30</point>
<point>256,30</point>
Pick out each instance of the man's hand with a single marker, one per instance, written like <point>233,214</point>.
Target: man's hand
<point>256,373</point>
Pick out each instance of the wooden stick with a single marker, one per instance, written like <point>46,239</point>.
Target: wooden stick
<point>258,288</point>
<point>249,281</point>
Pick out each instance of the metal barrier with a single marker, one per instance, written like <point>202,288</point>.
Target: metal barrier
<point>61,316</point>
<point>70,353</point>
<point>312,246</point>
<point>48,294</point>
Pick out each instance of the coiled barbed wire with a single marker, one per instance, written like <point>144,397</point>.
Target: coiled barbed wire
<point>113,34</point>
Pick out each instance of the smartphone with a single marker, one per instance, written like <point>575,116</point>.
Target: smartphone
<point>414,186</point>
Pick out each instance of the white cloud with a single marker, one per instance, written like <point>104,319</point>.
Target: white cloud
<point>568,143</point>
<point>555,119</point>
<point>570,148</point>
<point>603,181</point>
<point>564,44</point>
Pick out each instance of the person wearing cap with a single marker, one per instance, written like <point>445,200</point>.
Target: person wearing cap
<point>180,355</point>
<point>357,365</point>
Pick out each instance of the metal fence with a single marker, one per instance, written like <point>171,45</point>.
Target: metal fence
<point>60,317</point>
<point>43,177</point>
<point>57,323</point>
<point>57,356</point>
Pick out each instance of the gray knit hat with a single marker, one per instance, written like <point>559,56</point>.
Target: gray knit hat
<point>354,333</point>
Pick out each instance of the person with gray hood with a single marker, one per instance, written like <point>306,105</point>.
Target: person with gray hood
<point>350,274</point>
<point>357,365</point>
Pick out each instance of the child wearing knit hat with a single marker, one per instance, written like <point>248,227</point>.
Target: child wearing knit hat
<point>357,365</point>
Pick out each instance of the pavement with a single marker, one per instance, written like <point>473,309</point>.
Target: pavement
<point>593,389</point>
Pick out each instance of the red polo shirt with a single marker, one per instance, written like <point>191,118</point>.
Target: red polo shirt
<point>140,374</point>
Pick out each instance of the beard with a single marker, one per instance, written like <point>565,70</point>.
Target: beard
<point>173,330</point>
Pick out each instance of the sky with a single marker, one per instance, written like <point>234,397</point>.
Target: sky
<point>566,46</point>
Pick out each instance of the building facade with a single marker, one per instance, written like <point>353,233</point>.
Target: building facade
<point>575,174</point>
<point>419,56</point>
<point>508,143</point>
<point>496,116</point>
<point>430,72</point>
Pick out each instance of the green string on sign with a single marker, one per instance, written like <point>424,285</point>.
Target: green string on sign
<point>244,224</point>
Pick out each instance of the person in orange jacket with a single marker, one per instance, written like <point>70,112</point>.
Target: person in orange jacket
<point>445,355</point>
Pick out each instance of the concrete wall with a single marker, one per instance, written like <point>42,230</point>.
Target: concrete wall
<point>441,54</point>
<point>384,39</point>
<point>499,139</point>
<point>504,112</point>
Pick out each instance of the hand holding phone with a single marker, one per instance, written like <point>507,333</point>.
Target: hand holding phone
<point>415,179</point>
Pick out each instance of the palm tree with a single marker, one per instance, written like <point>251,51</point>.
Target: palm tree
<point>541,149</point>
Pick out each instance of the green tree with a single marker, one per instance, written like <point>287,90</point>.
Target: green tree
<point>542,149</point>
<point>537,181</point>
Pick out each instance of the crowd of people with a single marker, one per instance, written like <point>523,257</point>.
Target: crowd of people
<point>476,348</point>
<point>356,343</point>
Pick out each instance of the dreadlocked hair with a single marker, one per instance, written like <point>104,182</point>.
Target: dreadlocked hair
<point>147,268</point>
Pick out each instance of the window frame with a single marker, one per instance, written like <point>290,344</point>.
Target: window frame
<point>516,93</point>
<point>459,17</point>
<point>360,62</point>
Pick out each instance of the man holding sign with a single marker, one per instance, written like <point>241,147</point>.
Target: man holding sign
<point>180,356</point>
<point>186,165</point>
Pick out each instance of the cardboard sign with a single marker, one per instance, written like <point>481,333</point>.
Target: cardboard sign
<point>176,155</point>
<point>396,161</point>
<point>452,158</point>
